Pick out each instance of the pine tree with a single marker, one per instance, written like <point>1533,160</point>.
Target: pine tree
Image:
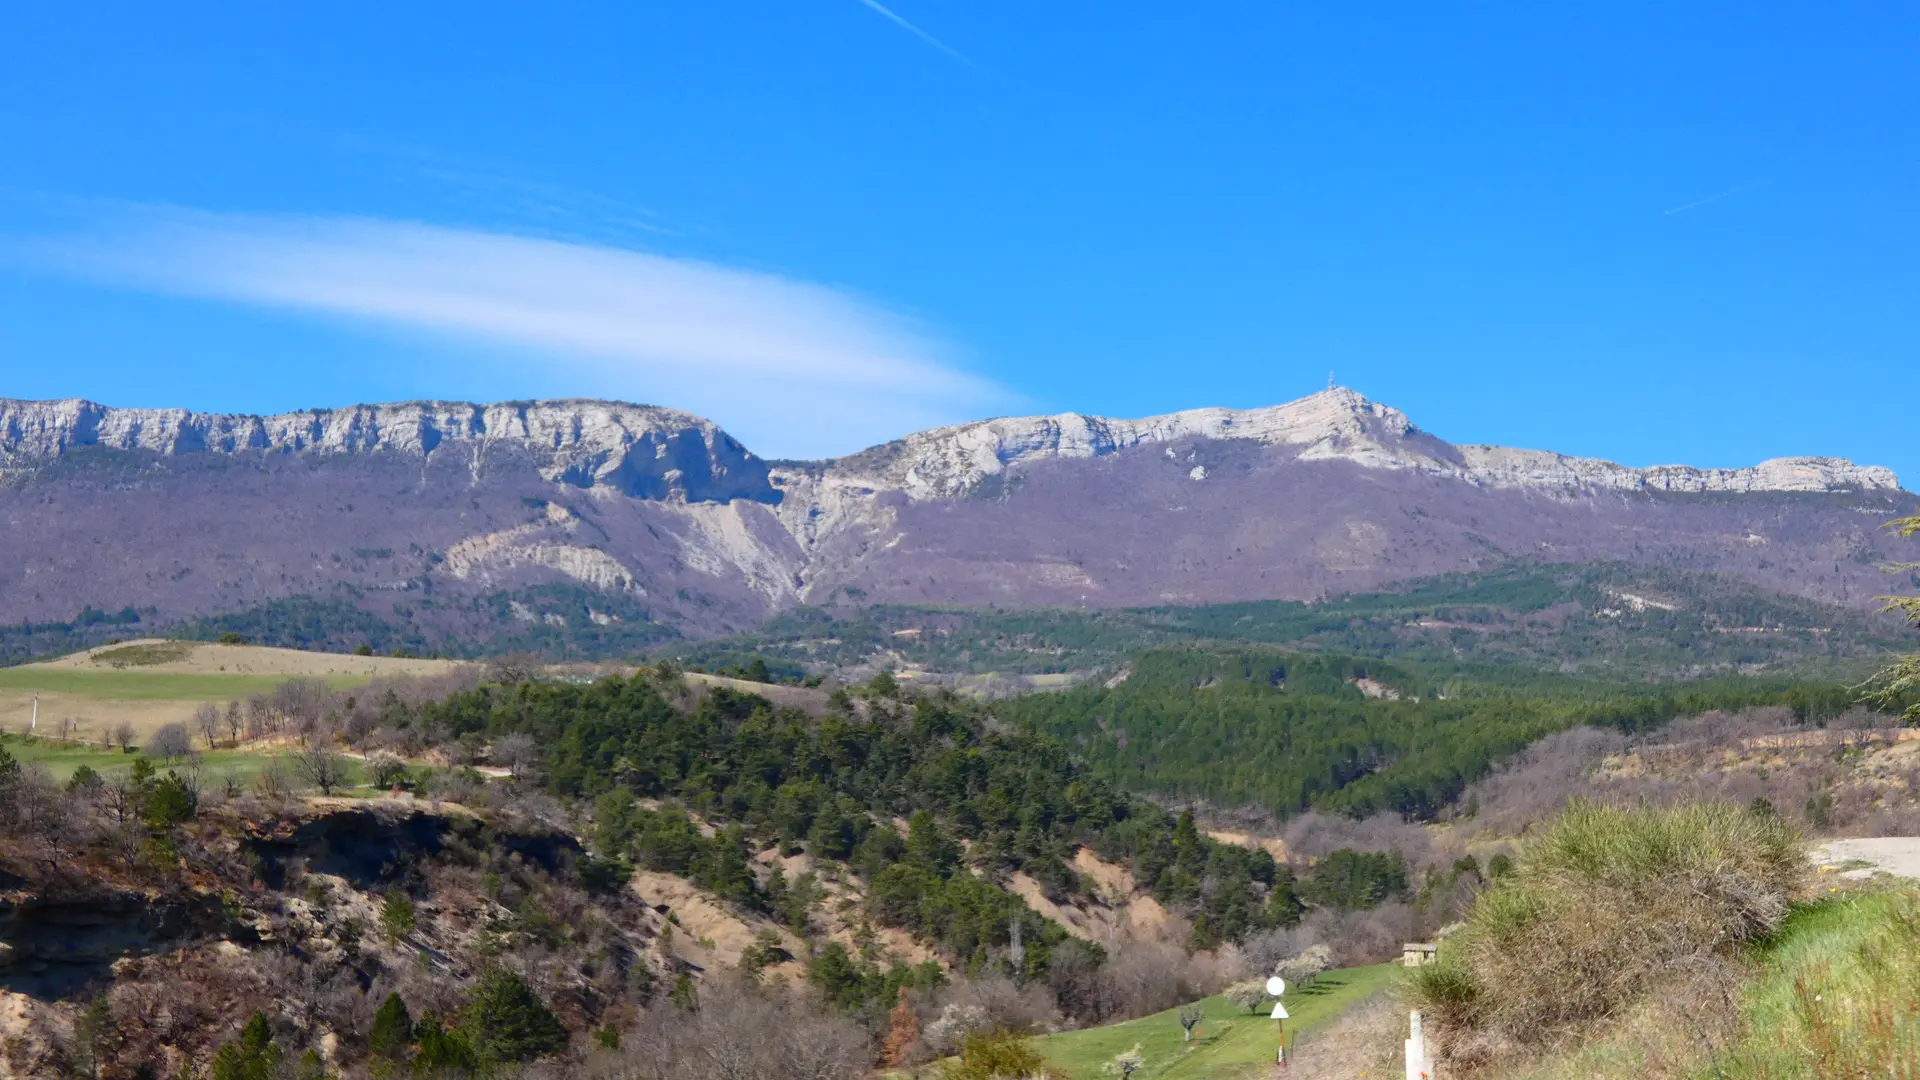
<point>392,1029</point>
<point>508,1021</point>
<point>93,1033</point>
<point>442,1052</point>
<point>251,1057</point>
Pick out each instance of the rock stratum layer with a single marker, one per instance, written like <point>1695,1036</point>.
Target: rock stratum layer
<point>458,517</point>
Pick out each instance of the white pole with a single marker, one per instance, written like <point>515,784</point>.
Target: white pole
<point>1419,1065</point>
<point>33,722</point>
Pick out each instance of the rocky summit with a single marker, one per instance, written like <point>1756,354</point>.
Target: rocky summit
<point>458,519</point>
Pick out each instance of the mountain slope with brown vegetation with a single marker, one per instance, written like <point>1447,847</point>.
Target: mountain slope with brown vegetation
<point>580,528</point>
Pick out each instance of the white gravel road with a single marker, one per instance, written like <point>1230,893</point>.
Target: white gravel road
<point>1899,855</point>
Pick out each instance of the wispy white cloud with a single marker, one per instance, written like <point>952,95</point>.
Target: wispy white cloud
<point>919,33</point>
<point>794,368</point>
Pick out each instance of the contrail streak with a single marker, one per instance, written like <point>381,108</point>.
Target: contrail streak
<point>919,33</point>
<point>1705,201</point>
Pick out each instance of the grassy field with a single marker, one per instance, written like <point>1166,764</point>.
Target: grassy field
<point>1228,1044</point>
<point>62,759</point>
<point>121,685</point>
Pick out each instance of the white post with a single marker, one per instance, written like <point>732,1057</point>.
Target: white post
<point>1419,1065</point>
<point>33,722</point>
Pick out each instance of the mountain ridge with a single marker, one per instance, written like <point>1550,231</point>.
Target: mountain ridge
<point>457,519</point>
<point>589,435</point>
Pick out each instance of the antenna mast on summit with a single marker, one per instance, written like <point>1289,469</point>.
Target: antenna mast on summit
<point>1329,380</point>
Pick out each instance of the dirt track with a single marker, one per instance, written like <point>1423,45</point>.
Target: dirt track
<point>1897,855</point>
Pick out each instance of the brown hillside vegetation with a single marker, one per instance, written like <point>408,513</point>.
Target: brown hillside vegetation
<point>1857,776</point>
<point>1607,907</point>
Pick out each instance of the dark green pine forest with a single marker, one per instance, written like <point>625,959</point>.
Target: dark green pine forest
<point>1292,731</point>
<point>981,798</point>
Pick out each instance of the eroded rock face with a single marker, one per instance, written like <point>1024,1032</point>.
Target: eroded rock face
<point>51,945</point>
<point>636,450</point>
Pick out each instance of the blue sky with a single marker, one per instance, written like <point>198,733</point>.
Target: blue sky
<point>1649,232</point>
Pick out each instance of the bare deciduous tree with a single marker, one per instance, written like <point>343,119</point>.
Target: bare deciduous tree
<point>122,734</point>
<point>262,718</point>
<point>1190,1017</point>
<point>301,701</point>
<point>170,742</point>
<point>273,780</point>
<point>235,721</point>
<point>319,764</point>
<point>518,754</point>
<point>207,720</point>
<point>743,1036</point>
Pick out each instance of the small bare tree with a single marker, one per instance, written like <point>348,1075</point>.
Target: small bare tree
<point>207,720</point>
<point>1190,1017</point>
<point>122,734</point>
<point>235,720</point>
<point>518,754</point>
<point>319,764</point>
<point>69,728</point>
<point>170,742</point>
<point>273,780</point>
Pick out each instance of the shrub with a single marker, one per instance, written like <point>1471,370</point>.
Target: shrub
<point>1602,907</point>
<point>995,1055</point>
<point>387,770</point>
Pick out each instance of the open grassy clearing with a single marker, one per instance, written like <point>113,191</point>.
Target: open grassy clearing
<point>1228,1044</point>
<point>153,682</point>
<point>61,760</point>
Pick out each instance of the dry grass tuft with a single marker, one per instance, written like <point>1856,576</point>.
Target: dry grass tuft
<point>1608,905</point>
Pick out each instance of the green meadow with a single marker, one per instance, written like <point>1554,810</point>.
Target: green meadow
<point>1228,1043</point>
<point>61,760</point>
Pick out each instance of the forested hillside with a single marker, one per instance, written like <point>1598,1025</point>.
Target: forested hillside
<point>1608,619</point>
<point>1288,731</point>
<point>974,794</point>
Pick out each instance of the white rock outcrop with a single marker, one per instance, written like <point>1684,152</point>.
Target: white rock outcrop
<point>657,453</point>
<point>639,449</point>
<point>1334,425</point>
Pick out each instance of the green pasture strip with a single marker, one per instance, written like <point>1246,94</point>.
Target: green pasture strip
<point>61,760</point>
<point>1228,1043</point>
